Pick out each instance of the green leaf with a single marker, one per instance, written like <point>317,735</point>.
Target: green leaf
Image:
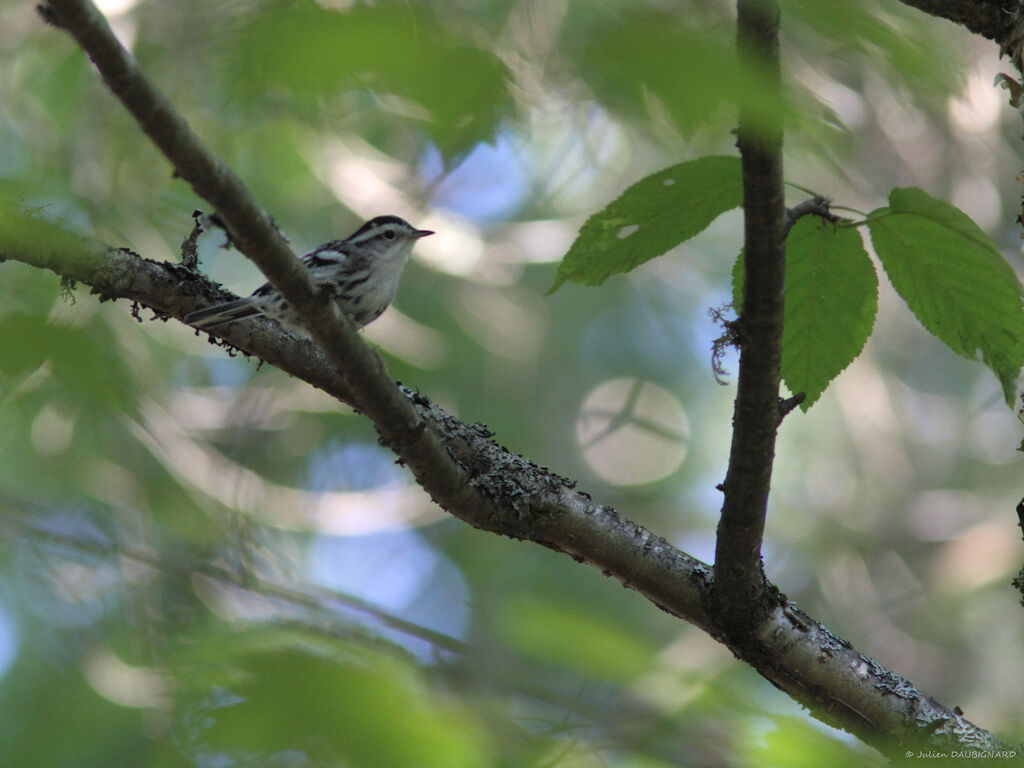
<point>954,280</point>
<point>651,217</point>
<point>311,52</point>
<point>831,301</point>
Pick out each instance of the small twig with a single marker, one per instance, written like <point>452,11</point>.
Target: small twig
<point>729,338</point>
<point>788,404</point>
<point>190,245</point>
<point>817,206</point>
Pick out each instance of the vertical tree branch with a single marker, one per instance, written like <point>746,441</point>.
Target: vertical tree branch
<point>739,576</point>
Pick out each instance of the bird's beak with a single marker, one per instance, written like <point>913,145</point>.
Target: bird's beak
<point>422,233</point>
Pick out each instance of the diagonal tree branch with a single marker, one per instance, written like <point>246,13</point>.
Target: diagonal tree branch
<point>524,500</point>
<point>368,387</point>
<point>797,654</point>
<point>466,472</point>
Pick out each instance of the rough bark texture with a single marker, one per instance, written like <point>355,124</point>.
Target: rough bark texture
<point>994,19</point>
<point>739,588</point>
<point>524,501</point>
<point>1000,21</point>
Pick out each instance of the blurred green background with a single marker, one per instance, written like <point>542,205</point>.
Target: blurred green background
<point>207,563</point>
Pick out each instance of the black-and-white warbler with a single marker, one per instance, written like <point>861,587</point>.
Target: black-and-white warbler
<point>359,273</point>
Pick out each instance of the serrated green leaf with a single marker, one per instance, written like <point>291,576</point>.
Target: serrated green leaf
<point>831,301</point>
<point>651,217</point>
<point>737,282</point>
<point>954,280</point>
<point>313,52</point>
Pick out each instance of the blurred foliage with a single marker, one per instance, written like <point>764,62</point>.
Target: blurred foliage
<point>206,563</point>
<point>337,713</point>
<point>687,66</point>
<point>307,53</point>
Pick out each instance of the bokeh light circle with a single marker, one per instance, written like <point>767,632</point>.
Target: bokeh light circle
<point>632,432</point>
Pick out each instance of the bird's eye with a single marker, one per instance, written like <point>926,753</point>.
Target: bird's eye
<point>389,234</point>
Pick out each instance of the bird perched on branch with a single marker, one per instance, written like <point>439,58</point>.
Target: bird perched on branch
<point>360,274</point>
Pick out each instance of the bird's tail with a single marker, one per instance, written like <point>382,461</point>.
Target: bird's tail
<point>222,313</point>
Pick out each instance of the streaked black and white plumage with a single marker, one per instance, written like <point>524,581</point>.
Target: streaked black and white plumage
<point>360,273</point>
